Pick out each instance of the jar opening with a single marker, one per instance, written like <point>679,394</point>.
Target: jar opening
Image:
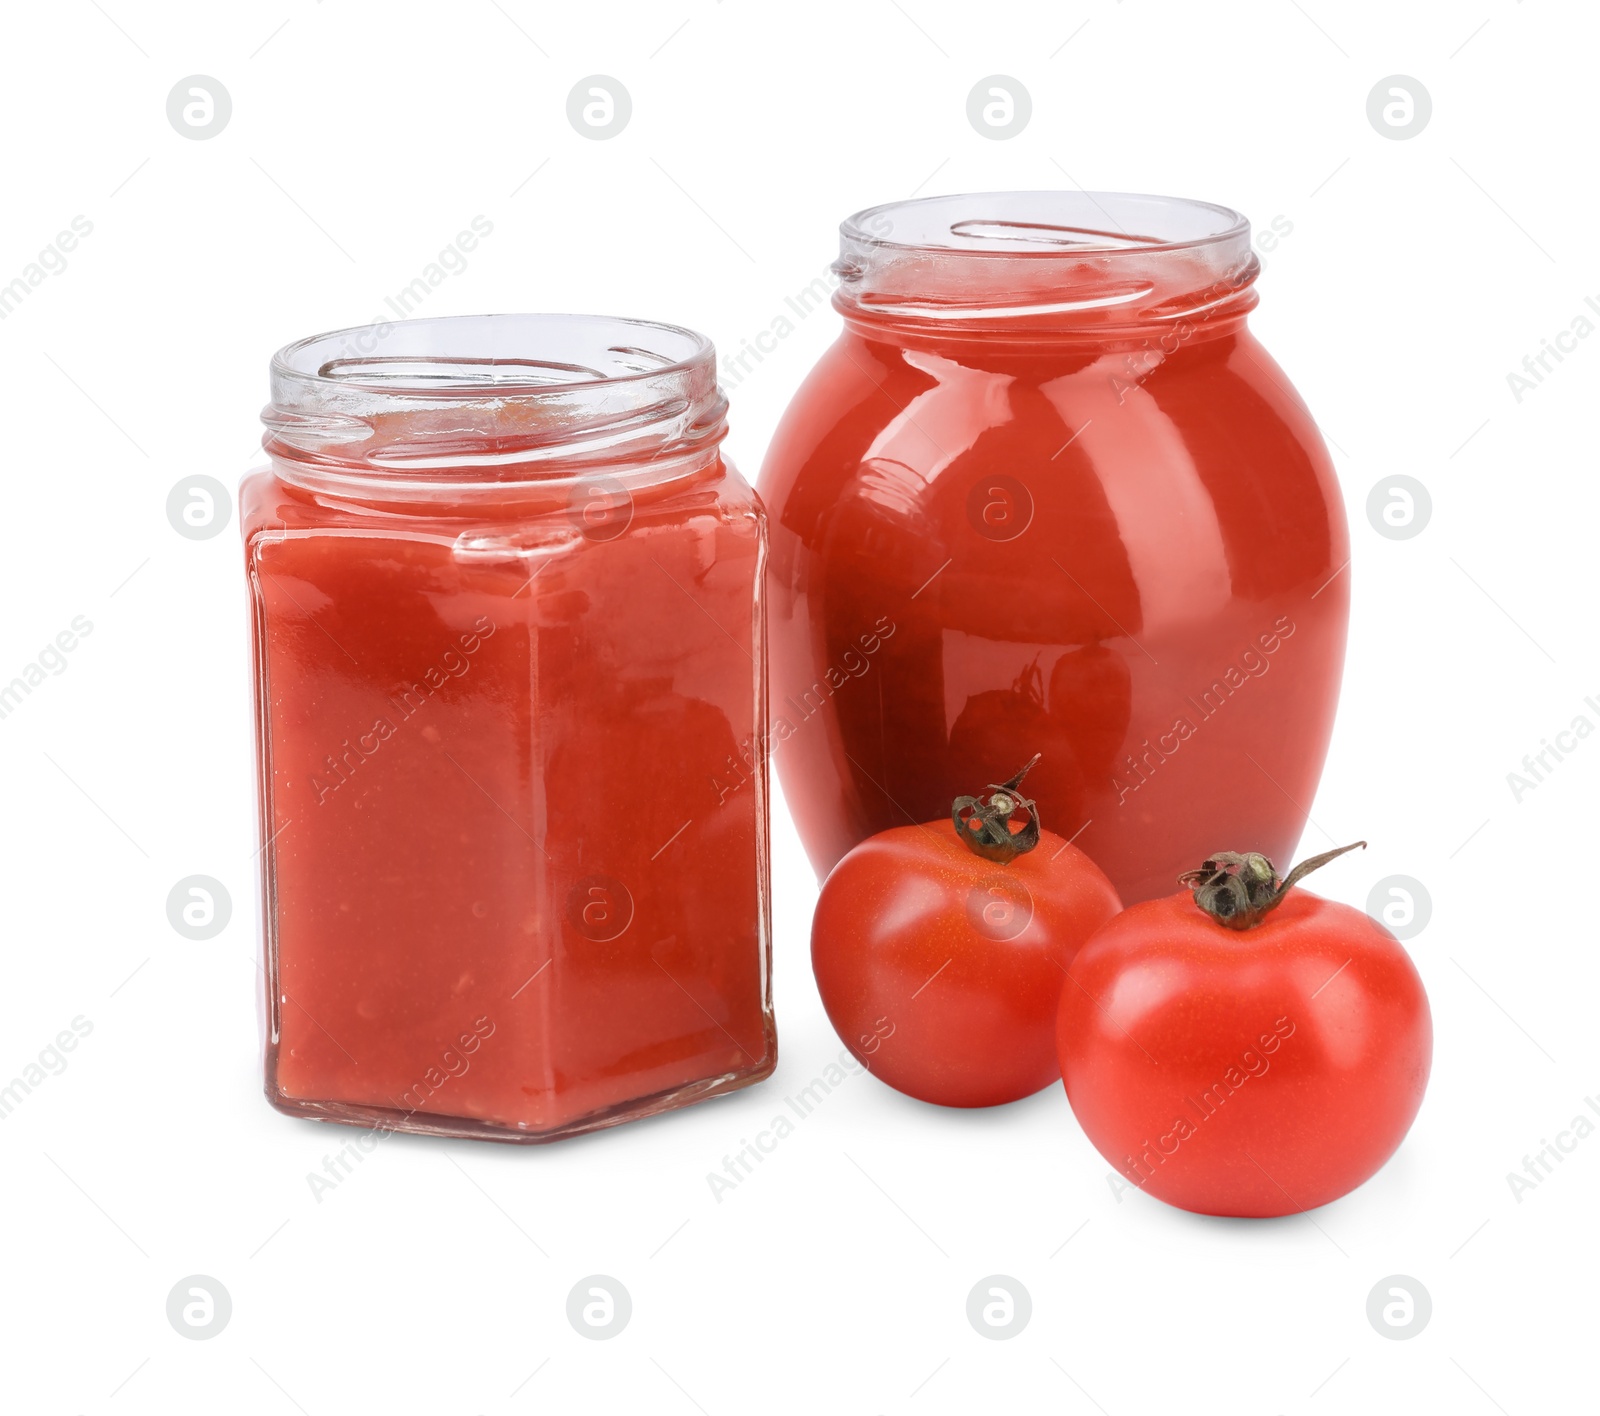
<point>477,404</point>
<point>1037,264</point>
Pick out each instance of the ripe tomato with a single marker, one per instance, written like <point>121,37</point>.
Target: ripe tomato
<point>1248,1049</point>
<point>940,950</point>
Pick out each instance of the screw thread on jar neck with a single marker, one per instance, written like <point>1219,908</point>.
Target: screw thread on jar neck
<point>1090,266</point>
<point>474,407</point>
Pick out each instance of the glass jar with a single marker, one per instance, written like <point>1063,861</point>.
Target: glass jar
<point>509,676</point>
<point>1048,494</point>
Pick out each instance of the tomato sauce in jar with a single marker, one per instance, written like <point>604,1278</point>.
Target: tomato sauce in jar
<point>509,688</point>
<point>1050,476</point>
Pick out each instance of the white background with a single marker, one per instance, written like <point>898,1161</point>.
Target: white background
<point>1418,274</point>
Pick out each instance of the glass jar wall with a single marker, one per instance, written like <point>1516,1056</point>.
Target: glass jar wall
<point>1048,494</point>
<point>509,667</point>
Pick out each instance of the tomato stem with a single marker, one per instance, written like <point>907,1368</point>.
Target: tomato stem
<point>1239,891</point>
<point>984,823</point>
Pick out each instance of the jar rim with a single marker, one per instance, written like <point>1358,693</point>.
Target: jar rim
<point>1032,211</point>
<point>465,406</point>
<point>289,362</point>
<point>1047,265</point>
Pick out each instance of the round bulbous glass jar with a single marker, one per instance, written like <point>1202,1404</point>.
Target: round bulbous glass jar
<point>1046,493</point>
<point>508,625</point>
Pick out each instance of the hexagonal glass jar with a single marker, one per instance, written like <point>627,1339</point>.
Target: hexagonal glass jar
<point>508,630</point>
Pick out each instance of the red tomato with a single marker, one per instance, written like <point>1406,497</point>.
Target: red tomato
<point>1245,1068</point>
<point>941,969</point>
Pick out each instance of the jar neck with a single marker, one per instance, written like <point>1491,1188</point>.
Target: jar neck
<point>488,410</point>
<point>1067,268</point>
